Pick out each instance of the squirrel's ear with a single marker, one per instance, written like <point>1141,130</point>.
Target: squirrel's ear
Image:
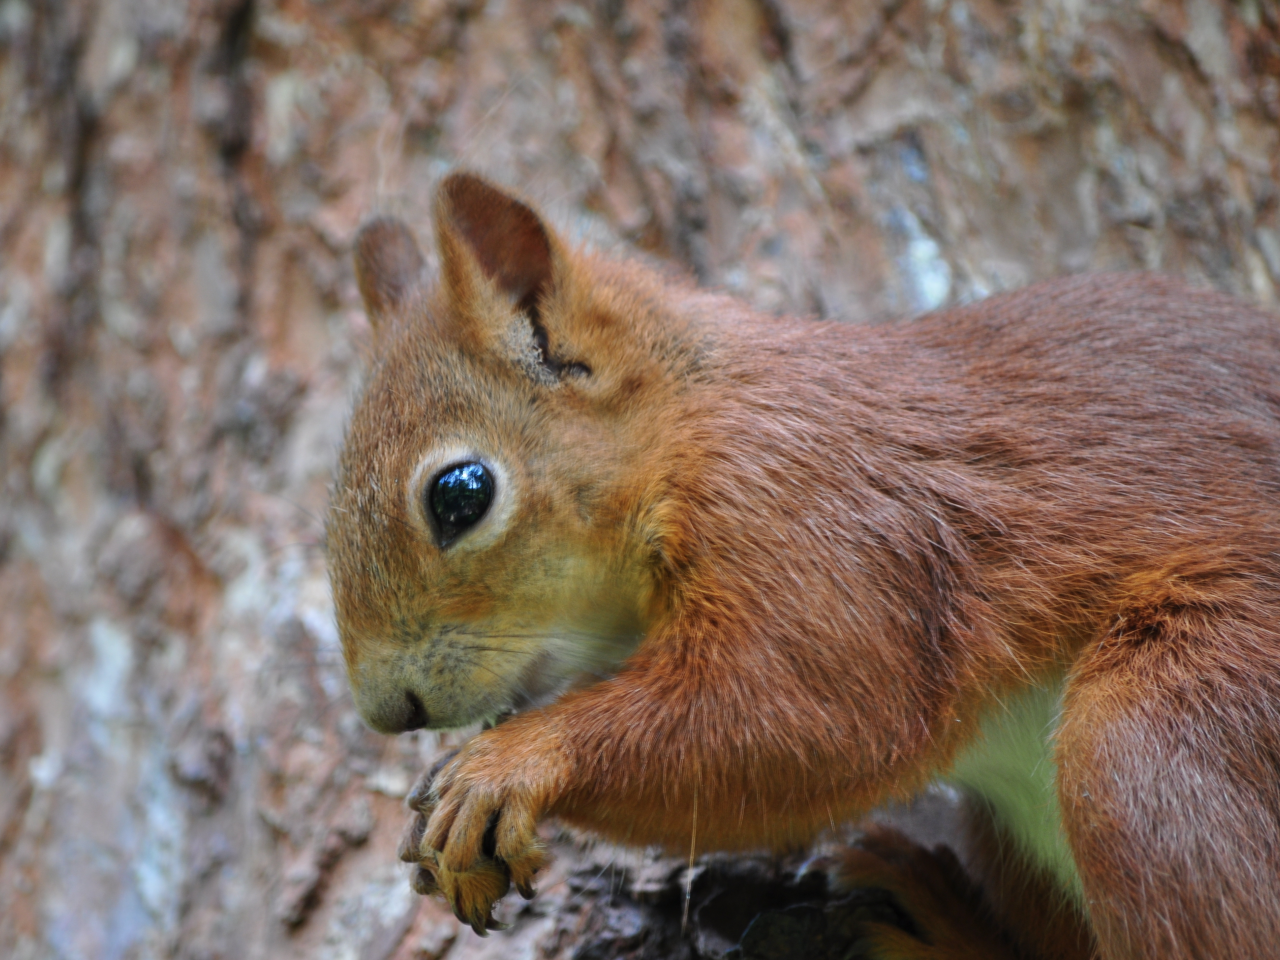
<point>486,234</point>
<point>388,267</point>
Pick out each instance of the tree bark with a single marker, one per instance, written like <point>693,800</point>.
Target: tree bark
<point>182,773</point>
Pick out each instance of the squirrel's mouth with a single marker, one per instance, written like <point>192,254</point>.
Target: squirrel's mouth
<point>498,719</point>
<point>550,664</point>
<point>543,681</point>
<point>521,701</point>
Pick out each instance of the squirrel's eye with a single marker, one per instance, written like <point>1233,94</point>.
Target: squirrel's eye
<point>459,497</point>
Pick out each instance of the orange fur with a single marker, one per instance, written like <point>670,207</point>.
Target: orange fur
<point>800,561</point>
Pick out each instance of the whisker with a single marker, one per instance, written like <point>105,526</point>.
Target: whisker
<point>484,649</point>
<point>275,551</point>
<point>491,671</point>
<point>535,635</point>
<point>299,665</point>
<point>297,506</point>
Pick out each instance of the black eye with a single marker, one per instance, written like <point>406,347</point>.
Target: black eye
<point>459,497</point>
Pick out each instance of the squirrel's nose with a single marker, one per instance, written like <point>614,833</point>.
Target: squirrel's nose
<point>397,715</point>
<point>417,717</point>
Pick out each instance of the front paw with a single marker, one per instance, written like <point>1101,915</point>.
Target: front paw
<point>474,834</point>
<point>472,895</point>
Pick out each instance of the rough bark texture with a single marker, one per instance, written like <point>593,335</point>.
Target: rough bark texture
<point>181,770</point>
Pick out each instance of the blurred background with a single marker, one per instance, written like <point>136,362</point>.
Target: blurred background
<point>182,773</point>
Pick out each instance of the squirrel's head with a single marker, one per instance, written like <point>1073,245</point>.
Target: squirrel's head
<point>493,532</point>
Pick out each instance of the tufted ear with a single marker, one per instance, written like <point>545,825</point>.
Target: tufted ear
<point>388,268</point>
<point>503,270</point>
<point>492,242</point>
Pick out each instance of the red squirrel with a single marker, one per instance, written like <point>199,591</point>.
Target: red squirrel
<point>742,577</point>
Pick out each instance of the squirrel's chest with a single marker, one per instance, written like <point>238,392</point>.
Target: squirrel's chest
<point>1010,768</point>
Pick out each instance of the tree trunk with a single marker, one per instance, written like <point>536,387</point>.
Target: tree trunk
<point>181,769</point>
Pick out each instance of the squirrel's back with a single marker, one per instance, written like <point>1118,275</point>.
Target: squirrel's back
<point>1036,448</point>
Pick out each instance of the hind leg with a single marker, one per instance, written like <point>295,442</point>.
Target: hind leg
<point>1169,778</point>
<point>947,909</point>
<point>1000,907</point>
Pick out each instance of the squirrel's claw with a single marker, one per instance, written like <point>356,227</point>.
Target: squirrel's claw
<point>423,881</point>
<point>473,920</point>
<point>472,895</point>
<point>523,864</point>
<point>472,899</point>
<point>423,797</point>
<point>482,925</point>
<point>410,847</point>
